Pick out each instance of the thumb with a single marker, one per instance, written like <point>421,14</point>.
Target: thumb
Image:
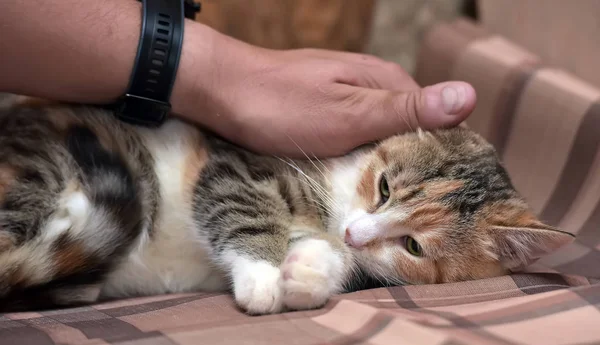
<point>438,106</point>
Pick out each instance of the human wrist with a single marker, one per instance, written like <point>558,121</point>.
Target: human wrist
<point>195,74</point>
<point>212,69</point>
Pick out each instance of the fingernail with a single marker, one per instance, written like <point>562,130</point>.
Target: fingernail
<point>453,99</point>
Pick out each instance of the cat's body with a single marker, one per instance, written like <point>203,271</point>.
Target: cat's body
<point>93,208</point>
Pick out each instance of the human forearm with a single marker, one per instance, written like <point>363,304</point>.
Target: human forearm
<point>283,102</point>
<point>84,51</point>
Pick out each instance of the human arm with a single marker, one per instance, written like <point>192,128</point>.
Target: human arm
<point>84,51</point>
<point>269,101</point>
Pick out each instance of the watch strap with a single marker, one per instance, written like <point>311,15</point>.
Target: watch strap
<point>147,100</point>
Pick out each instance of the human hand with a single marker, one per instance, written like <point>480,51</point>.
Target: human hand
<point>278,102</point>
<point>324,103</point>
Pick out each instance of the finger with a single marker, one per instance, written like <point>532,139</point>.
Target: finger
<point>344,56</point>
<point>379,77</point>
<point>375,72</point>
<point>385,113</point>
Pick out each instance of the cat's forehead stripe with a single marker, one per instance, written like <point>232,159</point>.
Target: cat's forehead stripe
<point>383,154</point>
<point>429,217</point>
<point>437,189</point>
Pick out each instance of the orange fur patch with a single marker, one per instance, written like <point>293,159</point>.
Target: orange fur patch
<point>108,141</point>
<point>366,185</point>
<point>195,161</point>
<point>34,102</point>
<point>510,215</point>
<point>7,241</point>
<point>383,155</point>
<point>429,216</point>
<point>8,175</point>
<point>423,272</point>
<point>70,257</point>
<point>17,277</point>
<point>439,189</point>
<point>476,265</point>
<point>63,119</point>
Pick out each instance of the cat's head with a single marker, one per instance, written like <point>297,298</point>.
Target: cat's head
<point>434,207</point>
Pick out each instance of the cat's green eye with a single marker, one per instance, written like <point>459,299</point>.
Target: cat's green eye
<point>384,190</point>
<point>413,247</point>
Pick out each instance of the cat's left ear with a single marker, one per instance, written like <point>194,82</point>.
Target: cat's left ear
<point>519,246</point>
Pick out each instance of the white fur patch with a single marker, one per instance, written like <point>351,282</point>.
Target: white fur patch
<point>55,227</point>
<point>81,220</point>
<point>370,227</point>
<point>346,173</point>
<point>78,206</point>
<point>74,215</point>
<point>255,285</point>
<point>311,273</point>
<point>364,229</point>
<point>353,216</point>
<point>175,258</point>
<point>71,215</point>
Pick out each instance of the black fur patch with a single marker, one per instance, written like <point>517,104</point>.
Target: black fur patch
<point>109,179</point>
<point>484,181</point>
<point>243,231</point>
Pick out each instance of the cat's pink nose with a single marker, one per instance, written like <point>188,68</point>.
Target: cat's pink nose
<point>348,239</point>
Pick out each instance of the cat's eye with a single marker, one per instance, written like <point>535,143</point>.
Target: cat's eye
<point>412,246</point>
<point>384,190</point>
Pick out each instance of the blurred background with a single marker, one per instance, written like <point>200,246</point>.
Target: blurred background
<point>386,28</point>
<point>562,33</point>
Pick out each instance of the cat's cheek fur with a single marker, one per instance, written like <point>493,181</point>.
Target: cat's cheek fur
<point>255,285</point>
<point>312,272</point>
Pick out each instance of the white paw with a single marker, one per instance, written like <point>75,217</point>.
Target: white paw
<point>311,273</point>
<point>256,286</point>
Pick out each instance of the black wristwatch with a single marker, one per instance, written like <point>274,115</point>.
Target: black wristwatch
<point>147,100</point>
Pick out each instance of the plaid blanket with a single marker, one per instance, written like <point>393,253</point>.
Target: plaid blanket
<point>546,125</point>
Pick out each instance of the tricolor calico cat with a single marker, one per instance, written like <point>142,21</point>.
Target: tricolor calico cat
<point>92,208</point>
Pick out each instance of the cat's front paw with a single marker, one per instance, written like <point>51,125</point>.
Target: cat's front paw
<point>311,273</point>
<point>256,287</point>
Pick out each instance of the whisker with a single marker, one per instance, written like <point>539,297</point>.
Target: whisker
<point>407,122</point>
<point>310,160</point>
<point>315,186</point>
<point>326,176</point>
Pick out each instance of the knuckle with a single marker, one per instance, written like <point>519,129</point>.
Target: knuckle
<point>341,71</point>
<point>372,59</point>
<point>396,69</point>
<point>344,69</point>
<point>408,111</point>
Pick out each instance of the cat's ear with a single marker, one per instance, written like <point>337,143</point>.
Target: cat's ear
<point>521,245</point>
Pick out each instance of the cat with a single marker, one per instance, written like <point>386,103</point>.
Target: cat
<point>92,208</point>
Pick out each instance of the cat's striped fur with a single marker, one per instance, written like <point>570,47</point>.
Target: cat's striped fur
<point>92,208</point>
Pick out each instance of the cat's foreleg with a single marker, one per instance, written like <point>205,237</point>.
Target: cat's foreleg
<point>276,267</point>
<point>251,251</point>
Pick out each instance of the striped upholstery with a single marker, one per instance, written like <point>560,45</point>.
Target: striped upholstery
<point>545,123</point>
